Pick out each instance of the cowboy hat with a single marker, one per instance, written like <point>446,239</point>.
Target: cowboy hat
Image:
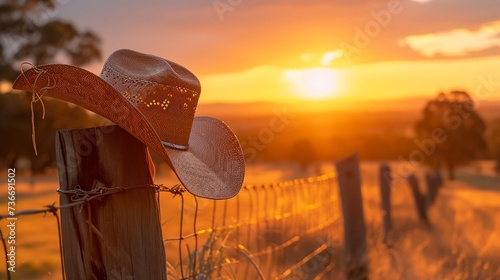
<point>154,100</point>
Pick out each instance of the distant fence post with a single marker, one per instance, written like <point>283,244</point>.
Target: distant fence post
<point>385,181</point>
<point>437,170</point>
<point>432,188</point>
<point>349,180</point>
<point>418,197</point>
<point>439,179</point>
<point>116,236</point>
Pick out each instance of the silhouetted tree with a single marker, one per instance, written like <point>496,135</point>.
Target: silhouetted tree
<point>30,32</point>
<point>494,147</point>
<point>451,131</point>
<point>15,128</point>
<point>303,152</point>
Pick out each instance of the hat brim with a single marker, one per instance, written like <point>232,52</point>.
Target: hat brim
<point>213,165</point>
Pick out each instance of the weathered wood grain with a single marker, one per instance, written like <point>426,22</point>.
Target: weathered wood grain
<point>117,236</point>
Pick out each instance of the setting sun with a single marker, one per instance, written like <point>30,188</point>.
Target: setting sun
<point>317,83</point>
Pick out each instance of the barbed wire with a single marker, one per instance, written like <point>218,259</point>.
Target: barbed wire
<point>79,197</point>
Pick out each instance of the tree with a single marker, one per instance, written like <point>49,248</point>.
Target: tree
<point>451,131</point>
<point>303,152</point>
<point>494,145</point>
<point>29,32</point>
<point>15,128</point>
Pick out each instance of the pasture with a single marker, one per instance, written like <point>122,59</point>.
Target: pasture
<point>460,242</point>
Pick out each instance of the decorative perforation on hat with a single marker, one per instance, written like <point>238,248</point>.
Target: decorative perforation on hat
<point>164,99</point>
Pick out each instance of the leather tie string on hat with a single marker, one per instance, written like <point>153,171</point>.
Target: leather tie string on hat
<point>36,96</point>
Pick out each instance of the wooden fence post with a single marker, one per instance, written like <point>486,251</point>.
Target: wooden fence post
<point>431,182</point>
<point>116,236</point>
<point>437,171</point>
<point>349,180</point>
<point>385,181</point>
<point>418,197</point>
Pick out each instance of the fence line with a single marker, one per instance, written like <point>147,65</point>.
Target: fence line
<point>281,226</point>
<point>273,231</point>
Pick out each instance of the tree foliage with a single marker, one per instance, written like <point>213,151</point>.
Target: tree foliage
<point>303,152</point>
<point>493,140</point>
<point>460,128</point>
<point>30,32</point>
<point>15,126</point>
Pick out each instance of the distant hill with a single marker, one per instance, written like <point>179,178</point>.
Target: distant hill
<point>256,109</point>
<point>489,109</point>
<point>236,109</point>
<point>375,129</point>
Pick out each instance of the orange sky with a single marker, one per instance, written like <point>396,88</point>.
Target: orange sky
<point>291,50</point>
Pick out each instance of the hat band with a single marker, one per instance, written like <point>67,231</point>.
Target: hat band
<point>174,146</point>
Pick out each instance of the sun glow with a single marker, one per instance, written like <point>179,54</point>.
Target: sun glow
<point>5,87</point>
<point>316,83</point>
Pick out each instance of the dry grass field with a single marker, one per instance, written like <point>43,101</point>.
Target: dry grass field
<point>462,240</point>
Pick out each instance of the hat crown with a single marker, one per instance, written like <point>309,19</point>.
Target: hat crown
<point>164,92</point>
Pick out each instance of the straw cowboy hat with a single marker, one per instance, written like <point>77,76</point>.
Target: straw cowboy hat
<point>154,100</point>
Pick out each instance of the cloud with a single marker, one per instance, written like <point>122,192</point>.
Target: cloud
<point>457,42</point>
<point>329,56</point>
<point>421,1</point>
